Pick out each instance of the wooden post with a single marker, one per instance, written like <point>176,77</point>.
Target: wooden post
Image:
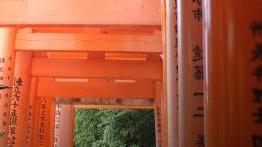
<point>158,117</point>
<point>52,114</point>
<point>169,70</point>
<point>7,55</point>
<point>30,118</point>
<point>190,80</point>
<point>19,101</point>
<point>232,47</point>
<point>43,128</point>
<point>64,125</point>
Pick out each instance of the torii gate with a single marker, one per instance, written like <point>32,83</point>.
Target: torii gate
<point>105,53</point>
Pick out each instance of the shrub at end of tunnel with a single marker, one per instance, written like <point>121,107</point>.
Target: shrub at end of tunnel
<point>114,128</point>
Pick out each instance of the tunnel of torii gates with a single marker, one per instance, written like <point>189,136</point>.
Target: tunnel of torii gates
<point>196,63</point>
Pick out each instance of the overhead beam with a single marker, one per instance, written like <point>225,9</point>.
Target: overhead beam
<point>105,101</point>
<point>98,29</point>
<point>88,42</point>
<point>112,107</point>
<point>47,87</point>
<point>76,68</point>
<point>80,12</point>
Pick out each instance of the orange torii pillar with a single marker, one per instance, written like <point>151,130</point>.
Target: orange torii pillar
<point>31,111</point>
<point>169,72</point>
<point>44,122</point>
<point>190,80</point>
<point>7,55</point>
<point>233,84</point>
<point>158,126</point>
<point>64,125</point>
<point>158,111</point>
<point>19,100</point>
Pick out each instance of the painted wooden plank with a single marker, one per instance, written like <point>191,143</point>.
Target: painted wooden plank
<point>80,12</point>
<point>45,67</point>
<point>48,87</point>
<point>87,42</point>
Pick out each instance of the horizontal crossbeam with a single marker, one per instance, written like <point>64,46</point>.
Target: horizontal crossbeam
<point>85,42</point>
<point>80,12</point>
<point>76,68</point>
<point>48,87</point>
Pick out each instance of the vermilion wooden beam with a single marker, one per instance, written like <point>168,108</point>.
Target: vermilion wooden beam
<point>106,101</point>
<point>80,12</point>
<point>44,67</point>
<point>48,87</point>
<point>112,107</point>
<point>99,29</point>
<point>84,42</point>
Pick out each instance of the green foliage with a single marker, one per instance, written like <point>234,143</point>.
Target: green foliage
<point>114,128</point>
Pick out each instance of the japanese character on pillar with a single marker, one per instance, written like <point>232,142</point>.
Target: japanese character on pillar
<point>258,115</point>
<point>197,54</point>
<point>257,52</point>
<point>200,112</point>
<point>28,130</point>
<point>198,72</point>
<point>42,119</point>
<point>18,81</point>
<point>199,2</point>
<point>175,4</point>
<point>13,117</point>
<point>197,12</point>
<point>256,28</point>
<point>200,140</point>
<point>13,112</point>
<point>1,69</point>
<point>57,124</point>
<point>258,72</point>
<point>2,60</point>
<point>257,141</point>
<point>198,94</point>
<point>257,93</point>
